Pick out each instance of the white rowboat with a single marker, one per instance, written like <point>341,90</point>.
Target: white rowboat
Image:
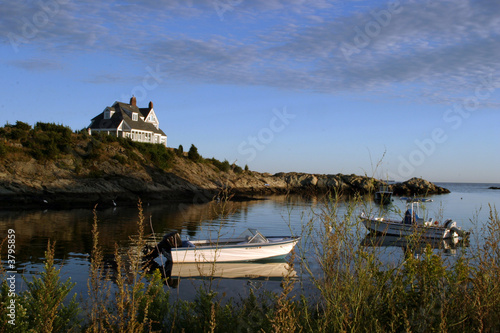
<point>251,245</point>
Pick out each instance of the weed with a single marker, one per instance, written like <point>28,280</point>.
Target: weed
<point>43,301</point>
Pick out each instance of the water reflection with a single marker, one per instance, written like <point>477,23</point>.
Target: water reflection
<point>71,229</point>
<point>244,270</point>
<point>415,247</point>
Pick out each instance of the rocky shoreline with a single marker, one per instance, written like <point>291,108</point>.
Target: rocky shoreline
<point>50,166</point>
<point>31,184</point>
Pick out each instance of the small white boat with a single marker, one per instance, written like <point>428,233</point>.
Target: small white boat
<point>412,224</point>
<point>251,245</point>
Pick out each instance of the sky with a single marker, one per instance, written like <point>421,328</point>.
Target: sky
<point>389,89</point>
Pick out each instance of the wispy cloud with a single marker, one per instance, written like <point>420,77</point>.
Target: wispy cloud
<point>38,65</point>
<point>438,45</point>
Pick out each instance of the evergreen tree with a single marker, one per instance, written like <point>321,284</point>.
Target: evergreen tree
<point>193,154</point>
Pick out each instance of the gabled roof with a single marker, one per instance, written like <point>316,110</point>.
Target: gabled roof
<point>144,112</point>
<point>121,115</point>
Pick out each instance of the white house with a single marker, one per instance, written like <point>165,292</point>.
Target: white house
<point>128,121</point>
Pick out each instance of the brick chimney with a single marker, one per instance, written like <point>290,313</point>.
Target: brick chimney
<point>150,105</point>
<point>133,101</point>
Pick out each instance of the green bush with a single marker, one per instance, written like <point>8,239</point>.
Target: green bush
<point>17,134</point>
<point>237,169</point>
<point>22,126</point>
<point>180,151</point>
<point>44,302</point>
<point>65,131</point>
<point>120,158</point>
<point>3,149</point>
<point>157,153</point>
<point>193,154</point>
<point>126,143</point>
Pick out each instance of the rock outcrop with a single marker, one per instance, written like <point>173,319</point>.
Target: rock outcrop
<point>418,186</point>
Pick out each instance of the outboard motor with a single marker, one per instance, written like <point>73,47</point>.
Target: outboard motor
<point>448,224</point>
<point>164,247</point>
<point>408,217</point>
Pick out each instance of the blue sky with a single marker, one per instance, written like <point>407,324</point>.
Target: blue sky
<point>391,89</point>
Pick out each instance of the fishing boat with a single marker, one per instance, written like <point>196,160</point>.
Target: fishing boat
<point>384,195</point>
<point>412,224</point>
<point>251,245</point>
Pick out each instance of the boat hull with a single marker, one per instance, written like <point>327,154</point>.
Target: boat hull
<point>397,228</point>
<point>234,253</point>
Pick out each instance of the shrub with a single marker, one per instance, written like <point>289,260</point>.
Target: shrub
<point>216,163</point>
<point>3,149</point>
<point>120,158</point>
<point>226,166</point>
<point>180,151</point>
<point>17,134</point>
<point>126,143</point>
<point>193,154</point>
<point>65,131</point>
<point>22,126</point>
<point>44,297</point>
<point>157,153</point>
<point>237,169</point>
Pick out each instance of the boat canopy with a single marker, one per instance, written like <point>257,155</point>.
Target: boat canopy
<point>253,236</point>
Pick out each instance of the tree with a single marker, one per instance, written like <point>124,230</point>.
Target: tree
<point>180,151</point>
<point>193,154</point>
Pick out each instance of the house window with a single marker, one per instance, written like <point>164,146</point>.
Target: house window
<point>135,116</point>
<point>106,114</point>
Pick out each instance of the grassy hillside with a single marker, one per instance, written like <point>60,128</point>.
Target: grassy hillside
<point>47,142</point>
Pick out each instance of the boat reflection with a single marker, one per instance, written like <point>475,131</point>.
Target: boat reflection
<point>263,270</point>
<point>415,246</point>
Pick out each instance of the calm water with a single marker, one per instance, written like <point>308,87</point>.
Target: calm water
<point>277,215</point>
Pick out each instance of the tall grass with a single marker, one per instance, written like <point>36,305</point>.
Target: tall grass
<point>353,290</point>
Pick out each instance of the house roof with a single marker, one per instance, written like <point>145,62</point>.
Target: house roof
<point>121,114</point>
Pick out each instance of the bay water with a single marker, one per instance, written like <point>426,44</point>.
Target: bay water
<point>468,204</point>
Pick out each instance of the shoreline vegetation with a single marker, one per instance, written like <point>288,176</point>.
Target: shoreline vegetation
<point>353,292</point>
<point>49,166</point>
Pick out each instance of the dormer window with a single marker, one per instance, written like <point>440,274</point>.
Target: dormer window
<point>108,113</point>
<point>135,116</point>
